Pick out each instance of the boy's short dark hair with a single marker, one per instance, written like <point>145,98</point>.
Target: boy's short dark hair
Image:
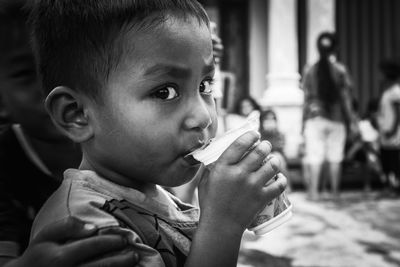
<point>78,43</point>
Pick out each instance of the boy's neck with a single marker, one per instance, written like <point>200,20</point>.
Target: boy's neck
<point>148,189</point>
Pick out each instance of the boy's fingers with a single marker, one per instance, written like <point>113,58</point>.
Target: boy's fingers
<point>64,230</point>
<point>270,167</point>
<point>234,153</point>
<point>275,188</point>
<point>94,246</point>
<point>254,159</point>
<point>126,258</point>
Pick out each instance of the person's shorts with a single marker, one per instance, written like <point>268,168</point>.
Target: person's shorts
<point>324,141</point>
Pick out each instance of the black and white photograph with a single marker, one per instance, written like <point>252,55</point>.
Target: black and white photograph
<point>199,133</point>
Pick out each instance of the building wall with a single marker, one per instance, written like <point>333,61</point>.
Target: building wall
<point>368,32</point>
<point>320,16</point>
<point>258,46</point>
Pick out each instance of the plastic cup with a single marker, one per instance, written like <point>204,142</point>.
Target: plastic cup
<point>278,210</point>
<point>217,146</point>
<point>275,213</point>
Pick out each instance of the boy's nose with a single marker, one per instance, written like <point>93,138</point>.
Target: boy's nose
<point>199,116</point>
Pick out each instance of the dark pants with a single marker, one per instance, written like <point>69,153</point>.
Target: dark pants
<point>391,161</point>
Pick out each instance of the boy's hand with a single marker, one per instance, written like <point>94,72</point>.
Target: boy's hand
<point>233,190</point>
<point>71,242</point>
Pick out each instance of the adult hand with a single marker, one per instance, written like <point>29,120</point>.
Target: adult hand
<point>71,242</point>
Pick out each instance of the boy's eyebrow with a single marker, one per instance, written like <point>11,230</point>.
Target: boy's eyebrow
<point>175,71</point>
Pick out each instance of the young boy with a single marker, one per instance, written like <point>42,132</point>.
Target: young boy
<point>130,81</point>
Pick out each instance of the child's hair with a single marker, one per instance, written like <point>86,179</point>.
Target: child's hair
<point>253,102</point>
<point>390,68</point>
<point>78,43</point>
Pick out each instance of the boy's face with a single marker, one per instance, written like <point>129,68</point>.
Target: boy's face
<point>158,106</point>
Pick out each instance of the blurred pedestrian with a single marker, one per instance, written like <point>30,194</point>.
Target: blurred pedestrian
<point>327,115</point>
<point>389,122</point>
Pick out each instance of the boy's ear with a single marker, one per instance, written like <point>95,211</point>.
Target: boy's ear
<point>67,110</point>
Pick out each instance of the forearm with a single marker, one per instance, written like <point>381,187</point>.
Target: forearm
<point>215,246</point>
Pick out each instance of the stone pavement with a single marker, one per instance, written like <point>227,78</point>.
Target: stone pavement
<point>359,229</point>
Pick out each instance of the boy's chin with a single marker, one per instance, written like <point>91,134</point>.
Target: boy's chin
<point>183,179</point>
<point>179,183</point>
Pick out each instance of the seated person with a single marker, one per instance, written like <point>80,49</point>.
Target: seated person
<point>137,109</point>
<point>269,131</point>
<point>364,148</point>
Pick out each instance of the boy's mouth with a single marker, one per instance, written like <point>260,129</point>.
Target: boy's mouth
<point>188,157</point>
<point>214,147</point>
<point>191,160</point>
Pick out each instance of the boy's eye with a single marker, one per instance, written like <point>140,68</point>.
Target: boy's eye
<point>166,93</point>
<point>206,87</point>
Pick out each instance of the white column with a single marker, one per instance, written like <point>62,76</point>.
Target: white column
<point>282,92</point>
<point>258,43</point>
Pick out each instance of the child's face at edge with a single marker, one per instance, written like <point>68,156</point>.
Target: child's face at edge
<point>157,107</point>
<point>20,91</point>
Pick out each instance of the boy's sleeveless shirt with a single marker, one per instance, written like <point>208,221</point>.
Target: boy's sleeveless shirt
<point>159,227</point>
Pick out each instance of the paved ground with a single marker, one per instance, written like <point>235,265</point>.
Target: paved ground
<point>359,230</point>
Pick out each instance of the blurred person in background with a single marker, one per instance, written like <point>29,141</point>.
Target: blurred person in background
<point>389,123</point>
<point>269,131</point>
<point>327,115</point>
<point>33,156</point>
<point>364,148</point>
